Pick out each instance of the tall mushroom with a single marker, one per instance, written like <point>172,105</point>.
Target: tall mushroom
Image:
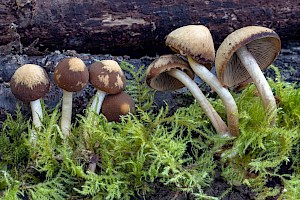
<point>108,78</point>
<point>29,83</point>
<point>170,72</point>
<point>71,75</point>
<point>116,105</point>
<point>196,43</point>
<point>243,54</point>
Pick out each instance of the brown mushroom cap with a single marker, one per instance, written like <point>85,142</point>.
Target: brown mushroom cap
<point>157,76</point>
<point>107,76</point>
<point>71,74</point>
<point>263,43</point>
<point>194,41</point>
<point>115,105</point>
<point>29,82</point>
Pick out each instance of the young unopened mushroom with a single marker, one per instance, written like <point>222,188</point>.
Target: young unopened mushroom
<point>71,75</point>
<point>116,105</point>
<point>108,78</point>
<point>30,83</point>
<point>170,72</point>
<point>196,43</point>
<point>243,54</point>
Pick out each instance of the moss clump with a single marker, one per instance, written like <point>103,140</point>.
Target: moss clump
<point>180,150</point>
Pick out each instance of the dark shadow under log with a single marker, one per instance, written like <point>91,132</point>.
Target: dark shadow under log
<point>135,28</point>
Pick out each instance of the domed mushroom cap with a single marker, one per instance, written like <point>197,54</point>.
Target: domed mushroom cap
<point>71,74</point>
<point>195,41</point>
<point>157,76</point>
<point>107,76</point>
<point>116,105</point>
<point>263,43</point>
<point>29,82</point>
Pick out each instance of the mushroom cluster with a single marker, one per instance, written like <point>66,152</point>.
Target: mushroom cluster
<point>30,83</point>
<point>238,61</point>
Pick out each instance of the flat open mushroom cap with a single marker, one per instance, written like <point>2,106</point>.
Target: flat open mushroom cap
<point>107,76</point>
<point>157,76</point>
<point>263,43</point>
<point>29,82</point>
<point>195,41</point>
<point>71,74</point>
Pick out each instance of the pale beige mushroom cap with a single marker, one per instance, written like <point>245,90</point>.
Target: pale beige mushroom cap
<point>194,41</point>
<point>157,76</point>
<point>263,43</point>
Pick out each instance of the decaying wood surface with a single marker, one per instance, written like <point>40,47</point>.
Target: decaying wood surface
<point>134,27</point>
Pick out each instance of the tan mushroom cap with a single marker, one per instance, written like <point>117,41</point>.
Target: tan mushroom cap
<point>116,105</point>
<point>157,76</point>
<point>71,74</point>
<point>29,82</point>
<point>263,43</point>
<point>107,76</point>
<point>194,41</point>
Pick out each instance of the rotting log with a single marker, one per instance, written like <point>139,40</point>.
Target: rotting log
<point>134,28</point>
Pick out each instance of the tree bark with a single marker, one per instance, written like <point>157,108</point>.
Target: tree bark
<point>135,28</point>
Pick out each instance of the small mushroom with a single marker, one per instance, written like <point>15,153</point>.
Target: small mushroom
<point>116,105</point>
<point>71,75</point>
<point>108,78</point>
<point>196,43</point>
<point>30,83</point>
<point>243,54</point>
<point>170,72</point>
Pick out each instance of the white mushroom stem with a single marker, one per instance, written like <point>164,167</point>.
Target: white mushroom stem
<point>66,114</point>
<point>97,101</point>
<point>37,116</point>
<point>37,113</point>
<point>207,108</point>
<point>226,97</point>
<point>259,80</point>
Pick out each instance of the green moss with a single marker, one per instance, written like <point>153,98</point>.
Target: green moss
<point>181,151</point>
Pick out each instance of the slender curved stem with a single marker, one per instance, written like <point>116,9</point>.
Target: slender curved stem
<point>66,114</point>
<point>259,80</point>
<point>97,101</point>
<point>210,112</point>
<point>226,97</point>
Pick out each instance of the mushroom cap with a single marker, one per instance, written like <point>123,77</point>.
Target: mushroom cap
<point>263,43</point>
<point>194,41</point>
<point>71,74</point>
<point>107,76</point>
<point>115,105</point>
<point>29,82</point>
<point>157,76</point>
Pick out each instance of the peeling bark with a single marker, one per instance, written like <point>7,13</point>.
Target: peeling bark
<point>135,27</point>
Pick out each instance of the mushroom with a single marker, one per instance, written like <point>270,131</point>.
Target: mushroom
<point>29,83</point>
<point>71,75</point>
<point>116,105</point>
<point>108,78</point>
<point>170,72</point>
<point>243,54</point>
<point>196,43</point>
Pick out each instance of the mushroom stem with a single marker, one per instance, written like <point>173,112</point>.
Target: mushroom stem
<point>37,114</point>
<point>259,80</point>
<point>98,100</point>
<point>226,97</point>
<point>66,112</point>
<point>207,108</point>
